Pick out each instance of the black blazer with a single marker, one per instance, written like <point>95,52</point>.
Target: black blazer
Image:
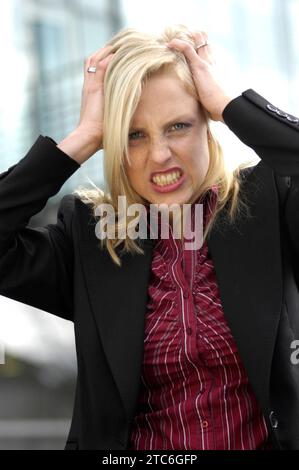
<point>60,269</point>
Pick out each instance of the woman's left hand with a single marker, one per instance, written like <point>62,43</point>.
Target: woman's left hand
<point>202,65</point>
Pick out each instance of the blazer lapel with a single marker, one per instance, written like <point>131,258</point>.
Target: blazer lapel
<point>118,298</point>
<point>248,270</point>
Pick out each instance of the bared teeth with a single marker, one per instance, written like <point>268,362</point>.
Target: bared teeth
<point>170,178</point>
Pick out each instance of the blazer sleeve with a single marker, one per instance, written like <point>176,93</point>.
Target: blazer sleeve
<point>36,264</point>
<point>274,135</point>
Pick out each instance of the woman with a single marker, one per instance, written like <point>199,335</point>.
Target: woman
<point>176,348</point>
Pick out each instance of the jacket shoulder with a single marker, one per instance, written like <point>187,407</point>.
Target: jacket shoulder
<point>249,170</point>
<point>71,207</point>
<point>72,203</point>
<point>74,209</point>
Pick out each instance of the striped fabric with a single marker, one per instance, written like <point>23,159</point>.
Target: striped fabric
<point>194,389</point>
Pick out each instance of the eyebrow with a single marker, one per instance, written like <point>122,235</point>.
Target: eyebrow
<point>182,117</point>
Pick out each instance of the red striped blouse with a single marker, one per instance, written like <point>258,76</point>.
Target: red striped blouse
<point>194,390</point>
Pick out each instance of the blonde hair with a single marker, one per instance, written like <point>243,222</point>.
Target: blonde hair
<point>139,55</point>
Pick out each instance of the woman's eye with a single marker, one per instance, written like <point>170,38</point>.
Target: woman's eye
<point>131,136</point>
<point>183,125</point>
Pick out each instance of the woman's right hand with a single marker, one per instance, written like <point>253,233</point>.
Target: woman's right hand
<point>92,101</point>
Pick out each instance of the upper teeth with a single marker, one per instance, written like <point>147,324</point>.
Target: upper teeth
<point>170,178</point>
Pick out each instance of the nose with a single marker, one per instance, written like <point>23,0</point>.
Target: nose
<point>159,151</point>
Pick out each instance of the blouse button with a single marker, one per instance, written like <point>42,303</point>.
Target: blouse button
<point>189,330</point>
<point>204,424</point>
<point>185,294</point>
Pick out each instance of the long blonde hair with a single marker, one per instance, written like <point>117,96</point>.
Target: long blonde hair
<point>137,56</point>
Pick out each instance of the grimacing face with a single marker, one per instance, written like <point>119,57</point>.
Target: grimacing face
<point>168,142</point>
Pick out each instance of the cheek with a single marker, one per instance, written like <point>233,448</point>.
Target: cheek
<point>199,160</point>
<point>205,161</point>
<point>134,174</point>
<point>199,163</point>
<point>138,164</point>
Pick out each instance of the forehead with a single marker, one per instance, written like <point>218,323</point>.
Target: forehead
<point>164,95</point>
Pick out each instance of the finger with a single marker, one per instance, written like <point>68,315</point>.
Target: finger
<point>101,52</point>
<point>194,57</point>
<point>100,61</point>
<point>200,37</point>
<point>94,59</point>
<point>187,50</point>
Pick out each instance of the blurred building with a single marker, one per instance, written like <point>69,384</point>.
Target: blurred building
<point>44,44</point>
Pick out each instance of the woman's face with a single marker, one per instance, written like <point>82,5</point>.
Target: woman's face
<point>168,146</point>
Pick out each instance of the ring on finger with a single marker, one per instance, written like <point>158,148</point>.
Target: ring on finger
<point>91,69</point>
<point>206,43</point>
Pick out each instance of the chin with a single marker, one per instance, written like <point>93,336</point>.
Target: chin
<point>172,199</point>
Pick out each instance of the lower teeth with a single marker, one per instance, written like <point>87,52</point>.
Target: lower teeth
<point>167,184</point>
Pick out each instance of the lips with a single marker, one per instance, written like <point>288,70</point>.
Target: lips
<point>166,172</point>
<point>166,186</point>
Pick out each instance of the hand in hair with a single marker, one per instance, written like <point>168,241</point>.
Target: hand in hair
<point>87,138</point>
<point>202,65</point>
<point>91,113</point>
